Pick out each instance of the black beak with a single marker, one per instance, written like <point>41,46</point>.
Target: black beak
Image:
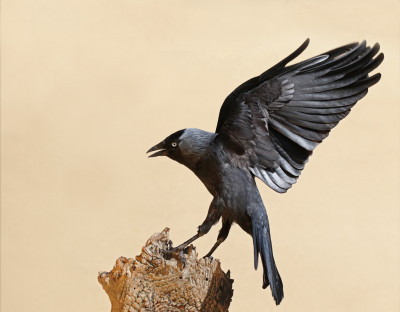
<point>159,146</point>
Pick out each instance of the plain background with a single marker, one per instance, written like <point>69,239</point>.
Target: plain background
<point>88,86</point>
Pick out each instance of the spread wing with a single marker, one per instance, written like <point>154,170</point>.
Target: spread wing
<point>273,122</point>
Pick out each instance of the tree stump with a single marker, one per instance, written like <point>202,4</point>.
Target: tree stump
<point>157,282</point>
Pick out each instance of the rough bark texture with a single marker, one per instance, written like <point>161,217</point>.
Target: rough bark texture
<point>157,282</point>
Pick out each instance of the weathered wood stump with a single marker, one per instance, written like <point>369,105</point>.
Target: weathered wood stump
<point>155,281</point>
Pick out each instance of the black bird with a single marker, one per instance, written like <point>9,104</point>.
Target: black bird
<point>268,127</point>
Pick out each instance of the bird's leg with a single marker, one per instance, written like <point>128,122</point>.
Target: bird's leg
<point>183,245</point>
<point>223,234</point>
<point>213,217</point>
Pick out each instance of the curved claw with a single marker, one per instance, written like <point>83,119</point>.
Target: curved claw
<point>210,257</point>
<point>176,253</point>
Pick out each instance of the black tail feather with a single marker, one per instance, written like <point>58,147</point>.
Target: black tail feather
<point>263,246</point>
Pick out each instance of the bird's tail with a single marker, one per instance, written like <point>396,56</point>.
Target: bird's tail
<point>263,246</point>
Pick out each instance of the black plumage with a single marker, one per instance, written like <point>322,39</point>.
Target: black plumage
<point>268,128</point>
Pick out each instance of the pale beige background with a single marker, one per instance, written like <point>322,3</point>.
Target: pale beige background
<point>88,86</point>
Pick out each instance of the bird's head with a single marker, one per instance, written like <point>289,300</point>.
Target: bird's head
<point>169,146</point>
<point>184,146</point>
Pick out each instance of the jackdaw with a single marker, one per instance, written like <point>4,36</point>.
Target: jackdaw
<point>268,128</point>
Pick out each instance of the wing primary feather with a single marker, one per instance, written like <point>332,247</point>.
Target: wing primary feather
<point>340,50</point>
<point>328,103</point>
<point>321,111</point>
<point>355,88</point>
<point>337,84</point>
<point>327,119</point>
<point>359,62</point>
<point>305,64</point>
<point>285,61</point>
<point>303,81</point>
<point>346,57</point>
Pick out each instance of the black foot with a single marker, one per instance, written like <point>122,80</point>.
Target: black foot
<point>177,253</point>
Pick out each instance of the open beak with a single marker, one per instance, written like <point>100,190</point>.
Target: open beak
<point>160,147</point>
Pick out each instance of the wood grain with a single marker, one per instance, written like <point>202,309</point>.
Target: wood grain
<point>152,282</point>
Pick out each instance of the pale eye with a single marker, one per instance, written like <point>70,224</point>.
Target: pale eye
<point>174,144</point>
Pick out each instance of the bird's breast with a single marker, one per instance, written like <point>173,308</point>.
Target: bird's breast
<point>210,175</point>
